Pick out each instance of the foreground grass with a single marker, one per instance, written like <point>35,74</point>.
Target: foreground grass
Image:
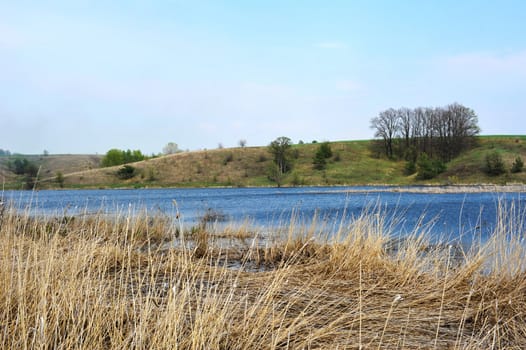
<point>99,283</point>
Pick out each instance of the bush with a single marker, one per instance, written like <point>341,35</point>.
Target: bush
<point>410,168</point>
<point>319,162</point>
<point>428,168</point>
<point>59,178</point>
<point>126,172</point>
<point>517,165</point>
<point>228,158</point>
<point>494,164</point>
<point>324,151</point>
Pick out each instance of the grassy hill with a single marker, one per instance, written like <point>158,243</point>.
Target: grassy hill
<point>352,163</point>
<point>48,166</point>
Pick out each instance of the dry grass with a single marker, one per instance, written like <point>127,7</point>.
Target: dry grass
<point>99,283</point>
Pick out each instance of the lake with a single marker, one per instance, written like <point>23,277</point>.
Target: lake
<point>467,216</point>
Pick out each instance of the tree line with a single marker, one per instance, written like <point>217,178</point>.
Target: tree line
<point>117,157</point>
<point>439,132</point>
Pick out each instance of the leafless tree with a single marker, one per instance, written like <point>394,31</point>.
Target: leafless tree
<point>386,125</point>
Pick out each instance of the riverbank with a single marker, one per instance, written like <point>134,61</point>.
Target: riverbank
<point>483,188</point>
<point>94,283</point>
<point>354,163</point>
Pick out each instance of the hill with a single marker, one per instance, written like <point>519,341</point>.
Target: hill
<point>352,163</point>
<point>49,166</point>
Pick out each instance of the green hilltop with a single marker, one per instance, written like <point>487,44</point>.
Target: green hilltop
<point>351,163</point>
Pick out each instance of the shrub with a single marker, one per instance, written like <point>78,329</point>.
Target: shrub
<point>324,151</point>
<point>228,158</point>
<point>126,172</point>
<point>428,168</point>
<point>494,164</point>
<point>59,178</point>
<point>319,162</point>
<point>517,165</point>
<point>262,158</point>
<point>410,168</point>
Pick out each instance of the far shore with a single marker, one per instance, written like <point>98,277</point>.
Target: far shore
<point>481,188</point>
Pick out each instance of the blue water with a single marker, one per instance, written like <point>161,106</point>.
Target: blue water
<point>448,216</point>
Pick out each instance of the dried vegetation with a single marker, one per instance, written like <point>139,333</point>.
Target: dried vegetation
<point>92,282</point>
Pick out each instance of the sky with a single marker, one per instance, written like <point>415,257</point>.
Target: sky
<point>82,77</point>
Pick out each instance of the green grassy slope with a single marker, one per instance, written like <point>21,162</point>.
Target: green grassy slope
<point>353,163</point>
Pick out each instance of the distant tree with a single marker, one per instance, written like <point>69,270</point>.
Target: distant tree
<point>280,150</point>
<point>22,166</point>
<point>171,148</point>
<point>494,164</point>
<point>322,154</point>
<point>242,143</point>
<point>319,162</point>
<point>517,165</point>
<point>45,153</point>
<point>4,152</point>
<point>113,157</point>
<point>220,146</point>
<point>117,157</point>
<point>387,126</point>
<point>439,132</point>
<point>59,178</point>
<point>325,149</point>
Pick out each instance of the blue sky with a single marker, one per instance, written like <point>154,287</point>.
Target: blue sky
<point>87,76</point>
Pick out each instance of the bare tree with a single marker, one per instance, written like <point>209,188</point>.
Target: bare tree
<point>171,148</point>
<point>386,125</point>
<point>439,132</point>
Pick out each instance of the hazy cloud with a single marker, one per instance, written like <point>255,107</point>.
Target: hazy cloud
<point>488,63</point>
<point>349,86</point>
<point>331,45</point>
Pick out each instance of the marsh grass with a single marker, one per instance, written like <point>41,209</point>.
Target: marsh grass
<point>92,282</point>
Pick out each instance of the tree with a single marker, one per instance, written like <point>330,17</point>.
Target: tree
<point>117,157</point>
<point>242,143</point>
<point>113,157</point>
<point>517,165</point>
<point>440,132</point>
<point>171,148</point>
<point>280,150</point>
<point>59,178</point>
<point>320,158</point>
<point>494,164</point>
<point>386,125</point>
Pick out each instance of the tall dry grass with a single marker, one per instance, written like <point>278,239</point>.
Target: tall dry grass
<point>99,283</point>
